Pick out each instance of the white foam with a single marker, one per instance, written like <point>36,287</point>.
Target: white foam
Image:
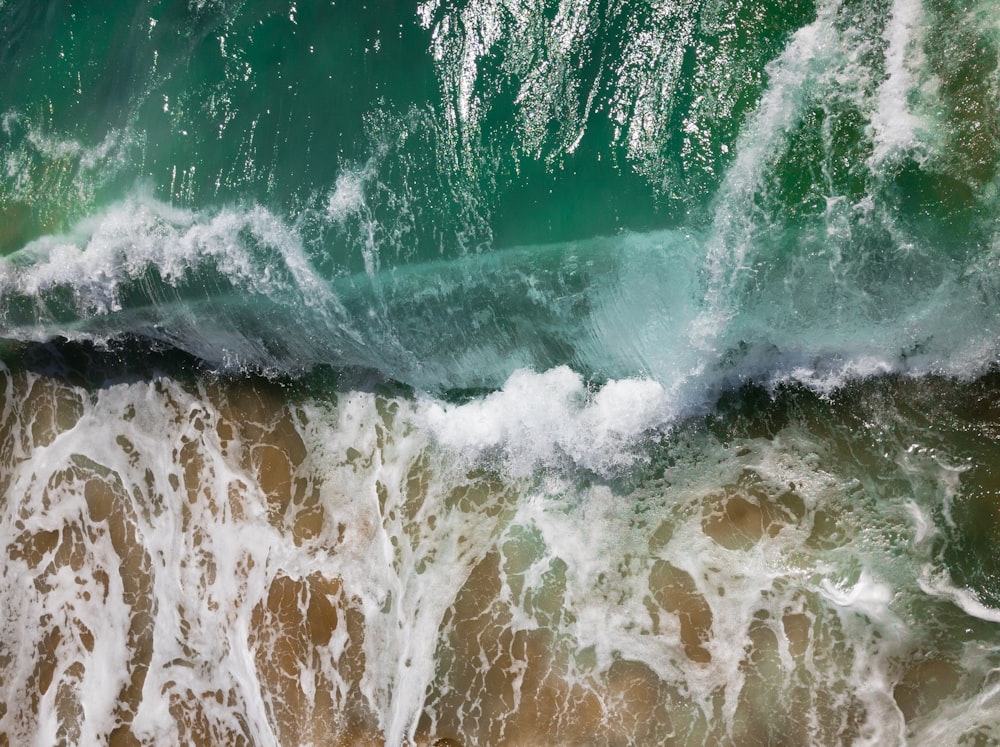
<point>923,526</point>
<point>826,378</point>
<point>348,195</point>
<point>867,596</point>
<point>938,583</point>
<point>252,249</point>
<point>540,418</point>
<point>897,128</point>
<point>406,521</point>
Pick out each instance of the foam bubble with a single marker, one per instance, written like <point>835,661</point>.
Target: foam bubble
<point>737,214</point>
<point>540,418</point>
<point>348,195</point>
<point>353,554</point>
<point>119,245</point>
<point>827,378</point>
<point>937,582</point>
<point>898,129</point>
<point>201,282</point>
<point>867,596</point>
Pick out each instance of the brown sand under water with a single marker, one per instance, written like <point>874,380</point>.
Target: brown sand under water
<point>187,563</point>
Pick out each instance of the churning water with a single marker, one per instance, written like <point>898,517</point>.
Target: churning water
<point>499,372</point>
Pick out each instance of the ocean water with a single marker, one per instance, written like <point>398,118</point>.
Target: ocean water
<point>499,372</point>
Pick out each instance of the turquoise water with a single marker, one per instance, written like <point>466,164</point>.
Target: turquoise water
<point>499,372</point>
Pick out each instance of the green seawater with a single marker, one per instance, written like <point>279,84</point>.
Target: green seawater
<point>499,372</point>
<point>447,194</point>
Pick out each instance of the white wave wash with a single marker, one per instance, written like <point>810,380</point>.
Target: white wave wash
<point>174,548</point>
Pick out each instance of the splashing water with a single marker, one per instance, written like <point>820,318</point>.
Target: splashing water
<point>490,373</point>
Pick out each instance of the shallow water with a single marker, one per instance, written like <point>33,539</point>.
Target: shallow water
<point>213,560</point>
